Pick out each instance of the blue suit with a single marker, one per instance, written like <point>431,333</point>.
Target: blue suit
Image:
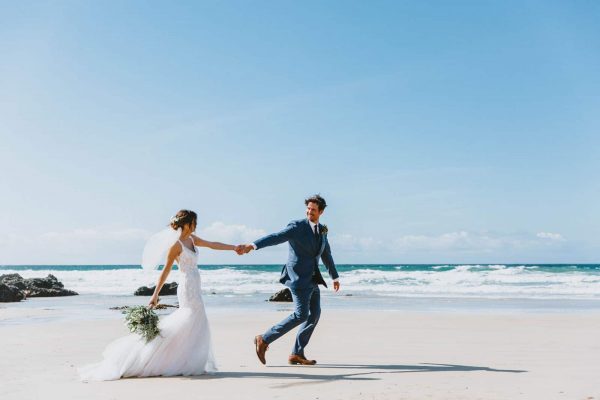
<point>304,254</point>
<point>301,274</point>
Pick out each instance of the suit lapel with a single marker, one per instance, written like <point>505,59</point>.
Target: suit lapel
<point>321,244</point>
<point>320,236</point>
<point>313,241</point>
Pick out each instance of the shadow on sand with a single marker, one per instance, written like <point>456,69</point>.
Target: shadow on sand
<point>311,375</point>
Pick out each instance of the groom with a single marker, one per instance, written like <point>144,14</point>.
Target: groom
<point>307,241</point>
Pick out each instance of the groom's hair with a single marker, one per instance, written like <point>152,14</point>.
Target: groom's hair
<point>318,200</point>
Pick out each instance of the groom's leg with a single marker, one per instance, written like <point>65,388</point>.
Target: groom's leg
<point>301,313</point>
<point>307,327</point>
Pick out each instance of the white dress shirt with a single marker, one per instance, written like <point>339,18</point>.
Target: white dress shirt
<point>312,226</point>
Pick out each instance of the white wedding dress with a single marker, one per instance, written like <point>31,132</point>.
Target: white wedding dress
<point>184,344</point>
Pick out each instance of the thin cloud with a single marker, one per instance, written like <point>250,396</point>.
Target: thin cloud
<point>87,234</point>
<point>98,245</point>
<point>458,242</point>
<point>550,236</point>
<point>221,232</point>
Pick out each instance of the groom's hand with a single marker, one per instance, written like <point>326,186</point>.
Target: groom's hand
<point>336,285</point>
<point>248,248</point>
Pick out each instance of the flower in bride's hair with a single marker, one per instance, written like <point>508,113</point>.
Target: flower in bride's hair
<point>174,219</point>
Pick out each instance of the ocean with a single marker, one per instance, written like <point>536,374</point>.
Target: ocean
<point>492,281</point>
<point>430,287</point>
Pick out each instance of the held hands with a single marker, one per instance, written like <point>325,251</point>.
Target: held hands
<point>239,249</point>
<point>243,249</point>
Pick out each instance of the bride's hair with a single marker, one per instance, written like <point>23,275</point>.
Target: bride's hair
<point>182,218</point>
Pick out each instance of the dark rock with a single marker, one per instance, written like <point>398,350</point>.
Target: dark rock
<point>50,282</point>
<point>37,287</point>
<point>119,308</point>
<point>166,290</point>
<point>282,295</point>
<point>46,287</point>
<point>9,293</point>
<point>15,280</point>
<point>158,307</point>
<point>163,306</point>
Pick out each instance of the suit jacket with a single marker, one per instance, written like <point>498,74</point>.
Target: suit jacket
<point>302,267</point>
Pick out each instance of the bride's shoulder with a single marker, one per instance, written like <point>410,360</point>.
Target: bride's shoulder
<point>176,247</point>
<point>198,242</point>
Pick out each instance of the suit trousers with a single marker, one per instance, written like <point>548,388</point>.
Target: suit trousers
<point>307,310</point>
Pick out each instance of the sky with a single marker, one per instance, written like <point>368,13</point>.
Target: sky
<point>438,132</point>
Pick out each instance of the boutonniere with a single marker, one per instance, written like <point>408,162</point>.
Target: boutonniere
<point>324,230</point>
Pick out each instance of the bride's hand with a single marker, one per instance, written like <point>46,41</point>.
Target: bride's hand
<point>153,302</point>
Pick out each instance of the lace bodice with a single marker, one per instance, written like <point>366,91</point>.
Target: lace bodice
<point>189,291</point>
<point>187,258</point>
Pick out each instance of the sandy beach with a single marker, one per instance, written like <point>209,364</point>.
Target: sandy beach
<point>361,355</point>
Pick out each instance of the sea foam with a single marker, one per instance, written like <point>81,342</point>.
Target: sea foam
<point>482,281</point>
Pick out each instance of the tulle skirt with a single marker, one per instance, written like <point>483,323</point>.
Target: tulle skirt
<point>183,348</point>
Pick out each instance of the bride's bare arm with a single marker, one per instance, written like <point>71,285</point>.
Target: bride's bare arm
<point>174,252</point>
<point>212,245</point>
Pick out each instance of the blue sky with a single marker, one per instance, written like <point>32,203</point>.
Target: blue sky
<point>444,132</point>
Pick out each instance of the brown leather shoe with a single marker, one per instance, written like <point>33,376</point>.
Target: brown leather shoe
<point>261,348</point>
<point>294,359</point>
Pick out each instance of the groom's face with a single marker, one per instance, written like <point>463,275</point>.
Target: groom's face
<point>313,213</point>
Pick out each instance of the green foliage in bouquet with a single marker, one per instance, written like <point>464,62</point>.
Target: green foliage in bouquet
<point>143,321</point>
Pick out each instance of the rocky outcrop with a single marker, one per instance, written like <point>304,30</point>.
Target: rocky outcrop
<point>33,287</point>
<point>283,295</point>
<point>166,290</point>
<point>15,280</point>
<point>9,293</point>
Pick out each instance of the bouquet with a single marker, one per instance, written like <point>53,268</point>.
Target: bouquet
<point>143,321</point>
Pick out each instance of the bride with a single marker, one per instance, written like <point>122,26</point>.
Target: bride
<point>184,345</point>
